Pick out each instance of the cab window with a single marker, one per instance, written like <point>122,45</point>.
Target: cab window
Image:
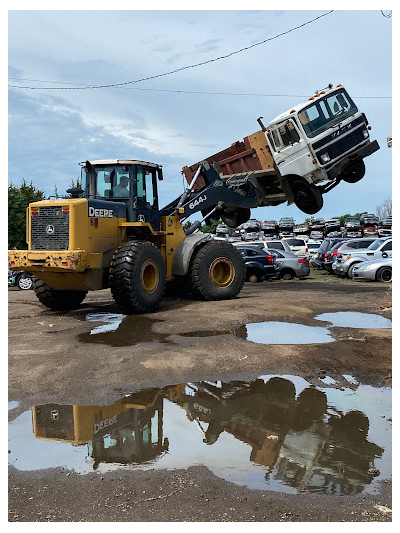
<point>288,133</point>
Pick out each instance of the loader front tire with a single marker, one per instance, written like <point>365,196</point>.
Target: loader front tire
<point>57,300</point>
<point>137,277</point>
<point>217,271</point>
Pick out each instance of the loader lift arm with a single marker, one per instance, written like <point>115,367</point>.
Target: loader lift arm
<point>215,199</point>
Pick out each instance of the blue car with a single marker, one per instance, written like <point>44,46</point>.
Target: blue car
<point>260,264</point>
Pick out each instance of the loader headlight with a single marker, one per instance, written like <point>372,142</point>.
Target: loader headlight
<point>366,134</point>
<point>325,157</point>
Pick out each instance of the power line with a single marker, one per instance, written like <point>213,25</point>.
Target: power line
<point>178,69</point>
<point>388,15</point>
<point>181,91</point>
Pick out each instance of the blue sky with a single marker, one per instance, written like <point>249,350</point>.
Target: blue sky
<point>51,131</point>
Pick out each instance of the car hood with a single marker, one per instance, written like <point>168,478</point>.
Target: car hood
<point>375,262</point>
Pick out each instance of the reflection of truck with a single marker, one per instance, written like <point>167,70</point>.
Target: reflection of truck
<point>324,139</point>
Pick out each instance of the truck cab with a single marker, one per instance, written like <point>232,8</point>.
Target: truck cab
<point>321,139</point>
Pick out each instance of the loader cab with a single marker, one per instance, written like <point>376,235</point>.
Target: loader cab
<point>131,182</point>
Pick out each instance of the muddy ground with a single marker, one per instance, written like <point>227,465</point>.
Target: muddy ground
<point>51,361</point>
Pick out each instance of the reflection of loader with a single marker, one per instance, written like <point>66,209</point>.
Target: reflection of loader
<point>129,431</point>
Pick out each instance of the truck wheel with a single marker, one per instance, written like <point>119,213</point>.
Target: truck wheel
<point>355,174</point>
<point>24,284</point>
<point>384,274</point>
<point>235,217</point>
<point>307,197</point>
<point>217,271</point>
<point>57,300</point>
<point>137,277</point>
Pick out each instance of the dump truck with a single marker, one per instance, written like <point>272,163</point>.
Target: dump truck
<point>302,154</point>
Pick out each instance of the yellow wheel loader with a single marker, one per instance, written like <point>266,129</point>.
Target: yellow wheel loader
<point>111,233</point>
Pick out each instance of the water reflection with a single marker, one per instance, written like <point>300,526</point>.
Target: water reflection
<point>301,440</point>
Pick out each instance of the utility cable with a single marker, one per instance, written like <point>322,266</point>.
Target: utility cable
<point>207,92</point>
<point>178,69</point>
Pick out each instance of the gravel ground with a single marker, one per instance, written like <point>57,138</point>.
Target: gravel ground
<point>50,361</point>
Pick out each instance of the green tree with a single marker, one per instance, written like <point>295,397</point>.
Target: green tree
<point>211,228</point>
<point>18,200</point>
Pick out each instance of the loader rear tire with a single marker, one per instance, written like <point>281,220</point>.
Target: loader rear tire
<point>217,271</point>
<point>137,277</point>
<point>57,300</point>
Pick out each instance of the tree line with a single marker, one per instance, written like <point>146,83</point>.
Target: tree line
<point>20,196</point>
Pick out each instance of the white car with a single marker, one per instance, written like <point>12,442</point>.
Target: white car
<point>298,246</point>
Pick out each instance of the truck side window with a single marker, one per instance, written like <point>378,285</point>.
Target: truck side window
<point>271,142</point>
<point>277,140</point>
<point>289,133</point>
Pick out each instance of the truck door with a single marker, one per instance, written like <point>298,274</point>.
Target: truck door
<point>291,150</point>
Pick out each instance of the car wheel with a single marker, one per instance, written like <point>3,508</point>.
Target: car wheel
<point>287,274</point>
<point>350,270</point>
<point>384,274</point>
<point>24,284</point>
<point>253,278</point>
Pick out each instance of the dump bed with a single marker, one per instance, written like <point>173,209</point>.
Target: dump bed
<point>251,154</point>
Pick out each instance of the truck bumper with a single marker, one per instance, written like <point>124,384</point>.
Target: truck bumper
<point>52,261</point>
<point>352,158</point>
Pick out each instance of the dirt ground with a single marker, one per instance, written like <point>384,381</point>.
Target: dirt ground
<point>51,362</point>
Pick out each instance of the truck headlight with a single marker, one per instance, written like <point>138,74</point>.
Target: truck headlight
<point>365,133</point>
<point>325,157</point>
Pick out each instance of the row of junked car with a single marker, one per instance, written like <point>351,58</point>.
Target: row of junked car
<point>363,258</point>
<point>266,260</point>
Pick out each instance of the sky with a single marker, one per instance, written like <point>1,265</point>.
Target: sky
<point>51,131</point>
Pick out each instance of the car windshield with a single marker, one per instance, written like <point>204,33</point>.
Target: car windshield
<point>375,245</point>
<point>326,112</point>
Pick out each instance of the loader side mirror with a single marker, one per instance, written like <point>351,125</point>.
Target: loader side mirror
<point>74,192</point>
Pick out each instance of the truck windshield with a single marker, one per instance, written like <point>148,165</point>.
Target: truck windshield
<point>326,112</point>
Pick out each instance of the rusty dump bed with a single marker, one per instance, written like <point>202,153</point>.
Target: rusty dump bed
<point>250,155</point>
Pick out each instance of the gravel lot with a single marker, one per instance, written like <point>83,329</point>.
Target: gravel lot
<point>52,361</point>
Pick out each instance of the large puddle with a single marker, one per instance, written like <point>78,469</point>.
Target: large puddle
<point>121,330</point>
<point>277,432</point>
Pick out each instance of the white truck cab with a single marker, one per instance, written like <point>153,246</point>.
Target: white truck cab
<point>323,139</point>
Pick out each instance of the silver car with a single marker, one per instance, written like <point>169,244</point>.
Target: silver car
<point>290,265</point>
<point>375,270</point>
<point>346,262</point>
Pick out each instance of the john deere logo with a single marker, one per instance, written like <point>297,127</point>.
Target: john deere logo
<point>50,229</point>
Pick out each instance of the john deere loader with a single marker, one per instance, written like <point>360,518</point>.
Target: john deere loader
<point>111,233</point>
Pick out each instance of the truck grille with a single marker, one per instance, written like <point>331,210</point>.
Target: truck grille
<point>50,229</point>
<point>342,145</point>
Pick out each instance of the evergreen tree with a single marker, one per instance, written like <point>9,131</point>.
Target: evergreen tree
<point>18,200</point>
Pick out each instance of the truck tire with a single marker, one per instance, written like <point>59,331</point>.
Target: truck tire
<point>137,277</point>
<point>384,274</point>
<point>355,174</point>
<point>307,197</point>
<point>216,271</point>
<point>57,300</point>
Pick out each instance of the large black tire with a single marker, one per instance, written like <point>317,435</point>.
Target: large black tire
<point>137,277</point>
<point>384,274</point>
<point>216,271</point>
<point>355,173</point>
<point>307,197</point>
<point>57,300</point>
<point>232,217</point>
